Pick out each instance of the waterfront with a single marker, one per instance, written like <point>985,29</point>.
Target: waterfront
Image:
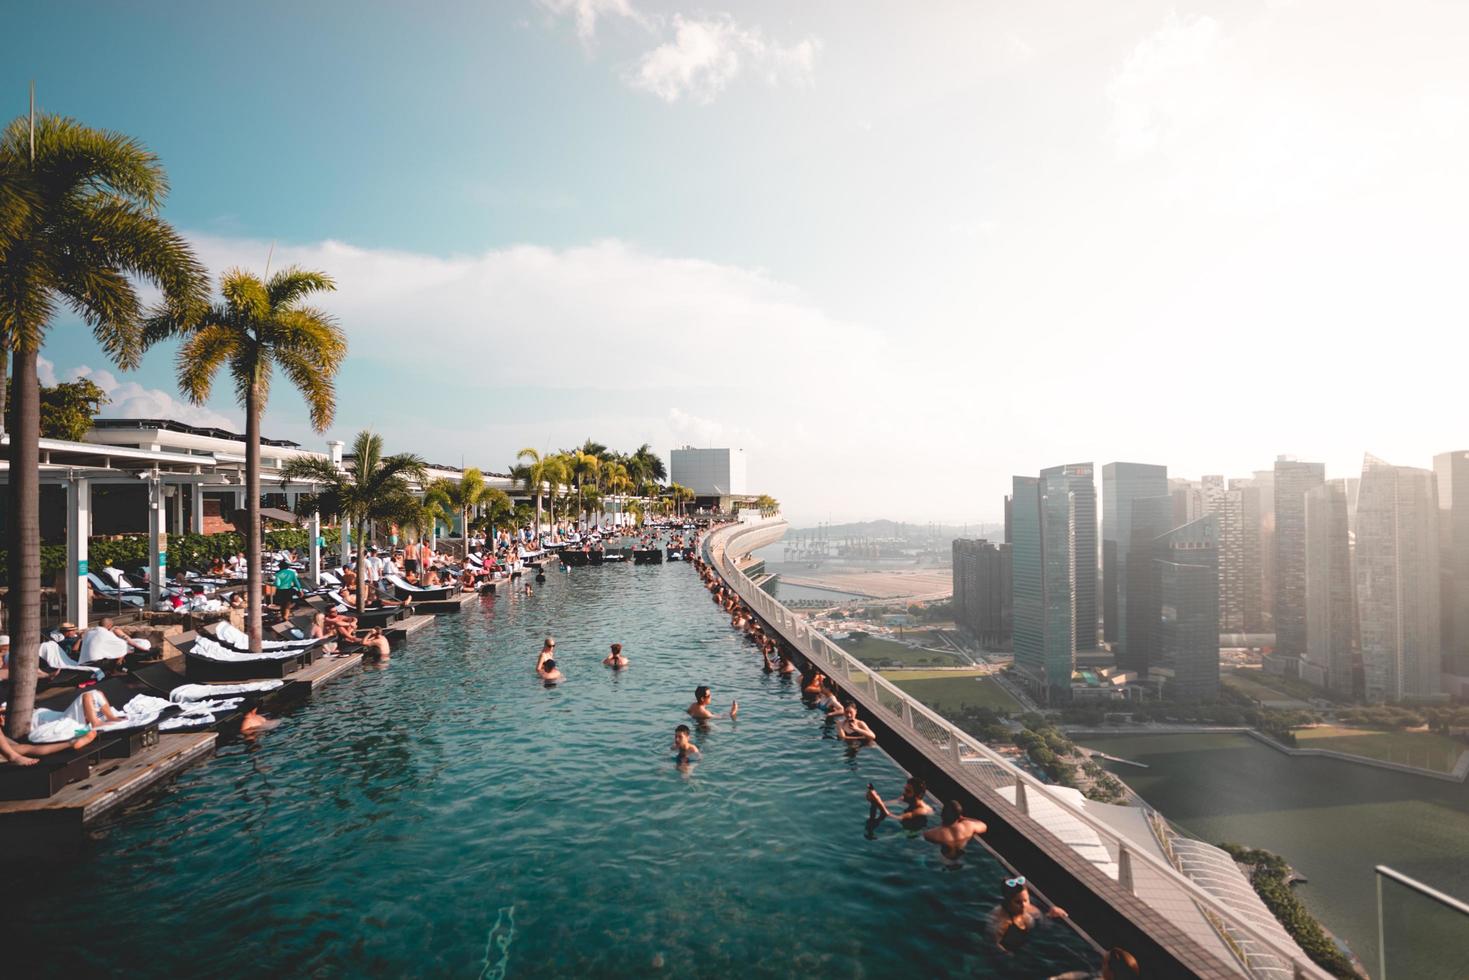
<point>450,816</point>
<point>1332,820</point>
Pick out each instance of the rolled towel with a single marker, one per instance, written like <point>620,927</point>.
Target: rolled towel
<point>100,644</point>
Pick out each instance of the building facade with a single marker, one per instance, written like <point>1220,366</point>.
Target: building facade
<point>1227,509</point>
<point>1451,471</point>
<point>1122,483</point>
<point>1397,559</point>
<point>1080,480</point>
<point>1043,561</point>
<point>709,472</point>
<point>1187,568</point>
<point>1331,607</point>
<point>982,591</point>
<point>1293,480</point>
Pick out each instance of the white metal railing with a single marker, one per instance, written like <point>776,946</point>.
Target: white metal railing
<point>1257,954</point>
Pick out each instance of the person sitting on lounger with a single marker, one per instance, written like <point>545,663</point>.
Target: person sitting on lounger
<point>699,710</point>
<point>91,708</point>
<point>956,831</point>
<point>26,754</point>
<point>615,659</point>
<point>318,626</point>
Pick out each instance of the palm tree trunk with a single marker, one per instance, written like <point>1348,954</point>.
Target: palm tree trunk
<point>253,623</point>
<point>24,544</point>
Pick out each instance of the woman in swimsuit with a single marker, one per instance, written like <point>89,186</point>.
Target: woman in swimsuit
<point>1015,919</point>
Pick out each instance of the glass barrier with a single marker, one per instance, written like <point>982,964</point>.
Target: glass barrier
<point>1422,933</point>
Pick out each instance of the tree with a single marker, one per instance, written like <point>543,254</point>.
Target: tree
<point>79,226</point>
<point>616,480</point>
<point>497,510</point>
<point>646,468</point>
<point>257,326</point>
<point>767,505</point>
<point>534,471</point>
<point>376,488</point>
<point>585,467</point>
<point>67,409</point>
<point>461,496</point>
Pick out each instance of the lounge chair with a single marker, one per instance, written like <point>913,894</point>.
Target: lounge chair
<point>206,659</point>
<point>403,589</point>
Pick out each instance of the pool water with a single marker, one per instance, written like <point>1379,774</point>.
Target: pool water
<point>450,816</point>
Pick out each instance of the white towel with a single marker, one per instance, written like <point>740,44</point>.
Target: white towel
<point>49,726</point>
<point>237,638</point>
<point>100,644</point>
<point>54,656</point>
<point>202,692</point>
<point>210,650</point>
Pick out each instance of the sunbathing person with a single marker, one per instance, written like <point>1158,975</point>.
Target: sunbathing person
<point>956,831</point>
<point>1015,919</point>
<point>615,659</point>
<point>683,745</point>
<point>699,710</point>
<point>92,708</point>
<point>26,754</point>
<point>318,626</point>
<point>850,728</point>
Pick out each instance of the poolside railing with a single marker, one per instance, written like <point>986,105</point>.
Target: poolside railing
<point>1257,954</point>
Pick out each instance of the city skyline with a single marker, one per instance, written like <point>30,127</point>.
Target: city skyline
<point>670,195</point>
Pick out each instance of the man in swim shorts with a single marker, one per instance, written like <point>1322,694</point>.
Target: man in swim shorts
<point>956,831</point>
<point>699,710</point>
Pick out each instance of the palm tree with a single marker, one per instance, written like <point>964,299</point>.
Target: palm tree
<point>79,226</point>
<point>422,516</point>
<point>461,496</point>
<point>586,466</point>
<point>534,471</point>
<point>497,509</point>
<point>257,326</point>
<point>377,488</point>
<point>767,505</point>
<point>616,480</point>
<point>646,467</point>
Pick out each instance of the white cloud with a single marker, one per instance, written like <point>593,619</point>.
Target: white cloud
<point>1167,82</point>
<point>696,430</point>
<point>588,12</point>
<point>130,400</point>
<point>705,55</point>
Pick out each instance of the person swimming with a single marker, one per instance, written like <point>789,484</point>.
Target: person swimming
<point>548,650</point>
<point>699,710</point>
<point>955,832</point>
<point>548,673</point>
<point>917,809</point>
<point>1014,920</point>
<point>253,723</point>
<point>615,659</point>
<point>683,744</point>
<point>850,728</point>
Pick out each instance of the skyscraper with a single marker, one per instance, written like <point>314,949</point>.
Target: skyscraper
<point>1331,610</point>
<point>1398,582</point>
<point>1122,483</point>
<point>1227,508</point>
<point>1152,517</point>
<point>1293,480</point>
<point>1078,478</point>
<point>1043,561</point>
<point>982,590</point>
<point>1187,567</point>
<point>1253,593</point>
<point>1452,472</point>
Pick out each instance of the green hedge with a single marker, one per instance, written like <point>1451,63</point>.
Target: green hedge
<point>188,551</point>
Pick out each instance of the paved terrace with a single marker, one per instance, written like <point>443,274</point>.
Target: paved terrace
<point>1119,880</point>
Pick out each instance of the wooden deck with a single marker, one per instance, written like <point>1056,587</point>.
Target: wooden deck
<point>406,627</point>
<point>112,783</point>
<point>326,669</point>
<point>451,605</point>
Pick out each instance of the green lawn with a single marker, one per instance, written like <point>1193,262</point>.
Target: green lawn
<point>948,690</point>
<point>1426,750</point>
<point>872,650</point>
<point>1257,685</point>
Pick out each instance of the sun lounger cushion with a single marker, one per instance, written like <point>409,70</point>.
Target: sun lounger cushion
<point>230,635</point>
<point>210,650</point>
<point>203,692</point>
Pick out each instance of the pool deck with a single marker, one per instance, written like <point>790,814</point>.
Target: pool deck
<point>407,627</point>
<point>326,669</point>
<point>112,783</point>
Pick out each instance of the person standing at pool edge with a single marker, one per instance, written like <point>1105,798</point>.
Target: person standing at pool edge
<point>699,710</point>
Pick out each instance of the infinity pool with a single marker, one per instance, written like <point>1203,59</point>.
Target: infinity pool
<point>449,816</point>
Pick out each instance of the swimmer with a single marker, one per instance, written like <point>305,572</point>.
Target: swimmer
<point>548,650</point>
<point>850,728</point>
<point>548,673</point>
<point>683,745</point>
<point>1013,921</point>
<point>375,645</point>
<point>253,722</point>
<point>914,791</point>
<point>615,659</point>
<point>699,710</point>
<point>956,831</point>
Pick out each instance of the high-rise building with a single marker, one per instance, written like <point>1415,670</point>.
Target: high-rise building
<point>1187,568</point>
<point>1078,478</point>
<point>1043,562</point>
<point>1397,558</point>
<point>1293,480</point>
<point>1253,590</point>
<point>1188,500</point>
<point>1331,609</point>
<point>1122,483</point>
<point>982,590</point>
<point>1227,508</point>
<point>1152,517</point>
<point>1452,472</point>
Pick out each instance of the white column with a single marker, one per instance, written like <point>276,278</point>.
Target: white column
<point>78,528</point>
<point>157,542</point>
<point>178,508</point>
<point>314,548</point>
<point>196,496</point>
<point>345,544</point>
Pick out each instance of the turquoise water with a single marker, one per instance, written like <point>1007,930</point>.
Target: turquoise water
<point>449,816</point>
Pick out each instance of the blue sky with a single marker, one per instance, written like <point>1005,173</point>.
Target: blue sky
<point>859,239</point>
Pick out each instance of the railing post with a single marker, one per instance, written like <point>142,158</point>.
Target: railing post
<point>1124,866</point>
<point>1297,971</point>
<point>1021,802</point>
<point>908,713</point>
<point>955,746</point>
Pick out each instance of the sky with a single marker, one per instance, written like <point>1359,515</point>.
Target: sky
<point>895,252</point>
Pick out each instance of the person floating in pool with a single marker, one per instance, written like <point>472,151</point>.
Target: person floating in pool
<point>850,728</point>
<point>699,710</point>
<point>547,672</point>
<point>955,831</point>
<point>615,659</point>
<point>683,745</point>
<point>548,650</point>
<point>917,809</point>
<point>1015,919</point>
